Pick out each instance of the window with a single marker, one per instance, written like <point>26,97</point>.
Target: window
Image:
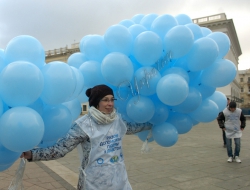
<point>241,79</point>
<point>249,89</point>
<point>248,79</point>
<point>202,20</point>
<point>84,107</point>
<point>242,89</point>
<point>215,17</point>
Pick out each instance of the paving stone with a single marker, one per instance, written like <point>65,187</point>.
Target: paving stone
<point>232,184</point>
<point>197,183</point>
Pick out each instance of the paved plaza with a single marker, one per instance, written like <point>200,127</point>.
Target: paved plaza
<point>197,161</point>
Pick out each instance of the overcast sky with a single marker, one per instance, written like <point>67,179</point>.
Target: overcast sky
<point>57,23</point>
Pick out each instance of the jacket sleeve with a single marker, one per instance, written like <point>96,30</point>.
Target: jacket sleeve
<point>243,120</point>
<point>221,120</point>
<point>133,127</point>
<point>74,137</point>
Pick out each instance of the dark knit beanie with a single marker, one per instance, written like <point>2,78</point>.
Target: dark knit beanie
<point>96,93</point>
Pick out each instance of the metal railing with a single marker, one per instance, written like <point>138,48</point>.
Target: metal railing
<point>236,99</point>
<point>64,50</point>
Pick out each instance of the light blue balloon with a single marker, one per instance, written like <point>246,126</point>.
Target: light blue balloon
<point>162,24</point>
<point>7,156</point>
<point>2,64</point>
<point>59,83</point>
<point>118,39</point>
<point>122,91</point>
<point>203,54</point>
<point>194,77</point>
<point>163,64</point>
<point>147,48</point>
<point>79,83</point>
<point>82,42</point>
<point>147,79</point>
<point>57,121</point>
<point>127,23</point>
<point>172,89</point>
<point>5,167</point>
<point>1,107</point>
<point>165,134</point>
<point>222,41</point>
<point>94,48</point>
<point>74,107</point>
<point>117,68</point>
<point>182,122</point>
<point>1,52</point>
<point>206,112</point>
<point>25,48</point>
<point>205,31</point>
<point>177,70</point>
<point>161,112</point>
<point>181,63</point>
<point>126,118</point>
<point>220,99</point>
<point>91,72</point>
<point>76,59</point>
<point>148,19</point>
<point>140,109</point>
<point>135,63</point>
<point>21,129</point>
<point>194,122</point>
<point>121,105</point>
<point>219,74</point>
<point>37,106</point>
<point>183,19</point>
<point>137,18</point>
<point>191,103</point>
<point>5,107</point>
<point>82,96</point>
<point>178,41</point>
<point>196,30</point>
<point>205,90</point>
<point>21,83</point>
<point>136,29</point>
<point>143,136</point>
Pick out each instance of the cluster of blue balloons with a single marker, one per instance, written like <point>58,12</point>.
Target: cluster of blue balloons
<point>38,101</point>
<point>163,69</point>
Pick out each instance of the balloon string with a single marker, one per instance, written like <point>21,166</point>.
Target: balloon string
<point>145,148</point>
<point>17,182</point>
<point>144,81</point>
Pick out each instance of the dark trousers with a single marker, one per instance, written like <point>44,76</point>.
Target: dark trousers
<point>224,137</point>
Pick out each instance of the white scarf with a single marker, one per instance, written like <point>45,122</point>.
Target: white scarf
<point>102,118</point>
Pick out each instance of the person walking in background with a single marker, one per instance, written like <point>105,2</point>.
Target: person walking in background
<point>233,122</point>
<point>98,136</point>
<point>223,131</point>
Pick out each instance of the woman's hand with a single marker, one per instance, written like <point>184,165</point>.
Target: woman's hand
<point>27,155</point>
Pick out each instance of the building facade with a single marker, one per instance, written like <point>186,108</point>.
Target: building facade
<point>61,54</point>
<point>216,23</point>
<point>244,76</point>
